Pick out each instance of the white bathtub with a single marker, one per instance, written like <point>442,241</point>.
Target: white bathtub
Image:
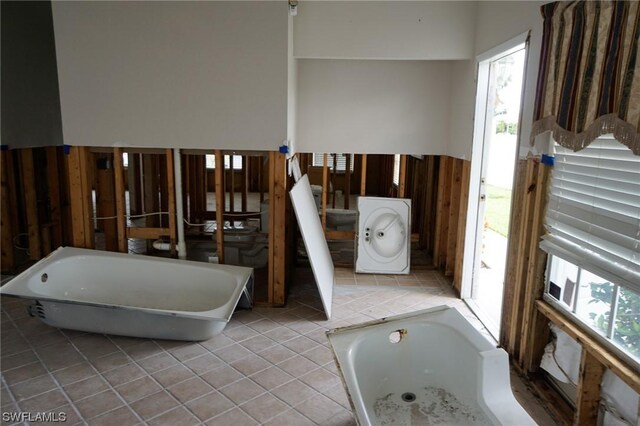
<point>441,370</point>
<point>132,295</point>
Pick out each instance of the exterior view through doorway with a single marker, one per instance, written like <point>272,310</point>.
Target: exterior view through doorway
<point>495,150</point>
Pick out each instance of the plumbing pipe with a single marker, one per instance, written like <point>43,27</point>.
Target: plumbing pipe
<point>177,170</point>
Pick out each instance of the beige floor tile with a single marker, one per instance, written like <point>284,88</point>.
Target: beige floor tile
<point>179,416</point>
<point>263,325</point>
<point>300,344</point>
<point>289,418</point>
<point>18,360</point>
<point>144,349</point>
<point>232,353</point>
<point>297,365</point>
<point>87,387</point>
<point>209,405</point>
<point>222,376</point>
<point>250,364</point>
<point>294,392</point>
<point>109,362</point>
<point>154,404</point>
<point>157,362</point>
<point>74,374</point>
<point>281,334</point>
<point>98,404</point>
<point>23,373</point>
<point>137,389</point>
<point>33,387</point>
<point>124,374</point>
<point>234,417</point>
<point>319,408</point>
<point>44,402</point>
<point>186,352</point>
<point>122,416</point>
<point>320,355</point>
<point>271,377</point>
<point>320,379</point>
<point>242,391</point>
<point>264,407</point>
<point>276,354</point>
<point>173,375</point>
<point>240,333</point>
<point>257,343</point>
<point>203,363</point>
<point>94,345</point>
<point>59,356</point>
<point>190,389</point>
<point>217,342</point>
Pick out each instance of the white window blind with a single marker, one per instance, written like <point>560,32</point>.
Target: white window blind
<point>396,169</point>
<point>593,212</point>
<point>341,164</point>
<point>210,162</point>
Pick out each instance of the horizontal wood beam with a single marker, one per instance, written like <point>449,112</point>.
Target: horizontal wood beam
<point>148,233</point>
<point>339,235</point>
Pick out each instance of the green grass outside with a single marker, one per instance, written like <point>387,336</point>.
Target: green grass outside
<point>496,212</point>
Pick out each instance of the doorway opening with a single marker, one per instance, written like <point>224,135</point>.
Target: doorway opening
<point>495,150</point>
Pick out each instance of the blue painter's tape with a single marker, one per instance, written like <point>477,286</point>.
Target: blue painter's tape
<point>66,149</point>
<point>4,147</point>
<point>284,149</point>
<point>548,160</point>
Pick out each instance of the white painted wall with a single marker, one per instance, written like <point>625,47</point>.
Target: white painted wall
<point>431,30</point>
<point>367,106</point>
<point>173,74</point>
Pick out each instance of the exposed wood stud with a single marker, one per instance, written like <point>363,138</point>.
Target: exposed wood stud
<point>454,215</point>
<point>232,190</point>
<point>30,203</point>
<point>363,176</point>
<point>6,230</point>
<point>245,182</point>
<point>444,208</point>
<point>513,259</point>
<point>524,240</point>
<point>402,184</point>
<point>347,182</point>
<point>134,174</point>
<point>325,185</point>
<point>220,205</point>
<point>278,212</point>
<point>80,190</point>
<point>148,233</point>
<point>333,180</point>
<point>171,201</point>
<point>588,392</point>
<point>121,220</point>
<point>462,220</point>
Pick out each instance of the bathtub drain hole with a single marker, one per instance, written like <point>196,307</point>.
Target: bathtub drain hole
<point>408,397</point>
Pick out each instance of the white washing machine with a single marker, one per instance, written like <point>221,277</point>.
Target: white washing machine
<point>384,235</point>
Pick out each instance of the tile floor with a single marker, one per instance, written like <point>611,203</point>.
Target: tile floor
<point>270,366</point>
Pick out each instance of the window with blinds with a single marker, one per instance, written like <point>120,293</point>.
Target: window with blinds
<point>341,161</point>
<point>593,238</point>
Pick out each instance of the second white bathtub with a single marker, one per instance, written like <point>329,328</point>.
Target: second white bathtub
<point>427,367</point>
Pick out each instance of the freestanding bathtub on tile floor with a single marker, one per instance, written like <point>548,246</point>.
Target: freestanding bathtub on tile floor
<point>426,367</point>
<point>132,295</point>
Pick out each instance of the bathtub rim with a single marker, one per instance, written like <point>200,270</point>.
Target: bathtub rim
<point>242,274</point>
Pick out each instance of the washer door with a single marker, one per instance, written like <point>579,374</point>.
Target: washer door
<point>383,235</point>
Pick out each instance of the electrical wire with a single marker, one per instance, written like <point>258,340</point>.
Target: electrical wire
<point>134,216</point>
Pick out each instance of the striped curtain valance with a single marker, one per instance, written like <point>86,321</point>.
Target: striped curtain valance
<point>589,76</point>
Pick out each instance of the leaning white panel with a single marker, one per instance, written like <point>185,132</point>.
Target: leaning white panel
<point>384,235</point>
<point>313,235</point>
